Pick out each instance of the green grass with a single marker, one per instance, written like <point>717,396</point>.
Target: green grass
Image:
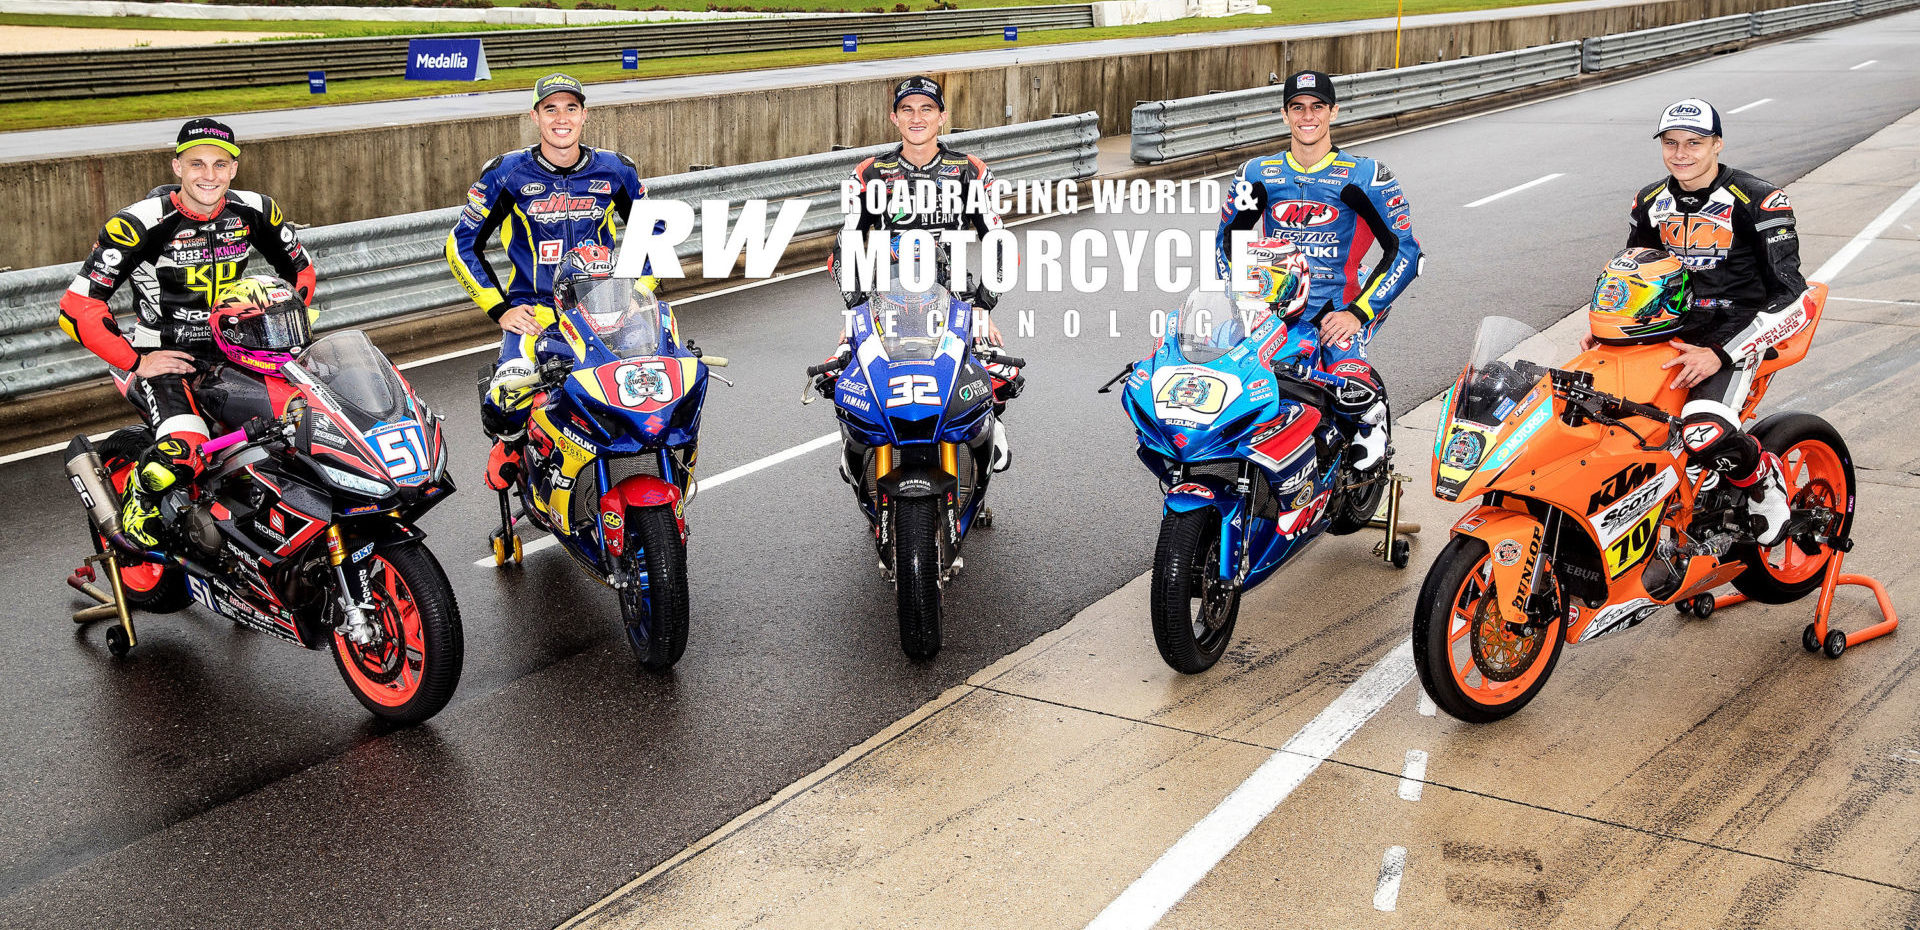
<point>55,113</point>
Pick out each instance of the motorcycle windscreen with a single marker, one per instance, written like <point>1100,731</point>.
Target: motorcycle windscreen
<point>1493,388</point>
<point>352,371</point>
<point>622,313</point>
<point>1210,324</point>
<point>911,324</point>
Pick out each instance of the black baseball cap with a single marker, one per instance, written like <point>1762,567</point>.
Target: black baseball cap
<point>1693,115</point>
<point>1317,84</point>
<point>558,83</point>
<point>922,85</point>
<point>206,131</point>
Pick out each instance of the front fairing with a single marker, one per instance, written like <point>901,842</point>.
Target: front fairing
<point>884,400</point>
<point>363,433</point>
<point>626,403</point>
<point>1192,412</point>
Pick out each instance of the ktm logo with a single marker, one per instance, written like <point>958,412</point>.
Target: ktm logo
<point>1304,213</point>
<point>1695,232</point>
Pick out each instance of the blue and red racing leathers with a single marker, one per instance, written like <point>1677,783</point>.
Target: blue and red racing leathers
<point>1333,212</point>
<point>541,211</point>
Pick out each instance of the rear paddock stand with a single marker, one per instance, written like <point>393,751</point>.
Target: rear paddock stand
<point>120,639</point>
<point>1392,548</point>
<point>1818,636</point>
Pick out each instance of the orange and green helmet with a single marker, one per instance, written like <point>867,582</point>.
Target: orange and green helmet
<point>1641,296</point>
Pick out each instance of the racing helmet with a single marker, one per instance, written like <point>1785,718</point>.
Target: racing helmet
<point>260,323</point>
<point>1641,296</point>
<point>590,262</point>
<point>1280,277</point>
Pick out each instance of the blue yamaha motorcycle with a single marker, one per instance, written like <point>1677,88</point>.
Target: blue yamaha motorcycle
<point>612,438</point>
<point>1240,431</point>
<point>915,399</point>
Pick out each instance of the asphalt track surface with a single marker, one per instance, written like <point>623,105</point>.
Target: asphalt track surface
<point>220,778</point>
<point>158,134</point>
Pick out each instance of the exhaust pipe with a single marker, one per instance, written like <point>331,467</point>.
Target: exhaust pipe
<point>89,478</point>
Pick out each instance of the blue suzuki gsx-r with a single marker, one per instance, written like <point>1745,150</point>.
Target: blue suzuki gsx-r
<point>612,438</point>
<point>916,410</point>
<point>1239,428</point>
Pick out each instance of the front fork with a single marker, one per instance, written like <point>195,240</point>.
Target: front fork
<point>353,600</point>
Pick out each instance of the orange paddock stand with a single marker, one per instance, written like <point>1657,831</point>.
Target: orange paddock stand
<point>1818,636</point>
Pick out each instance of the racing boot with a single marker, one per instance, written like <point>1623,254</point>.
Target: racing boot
<point>165,465</point>
<point>503,463</point>
<point>1767,499</point>
<point>1370,437</point>
<point>1002,450</point>
<point>505,419</point>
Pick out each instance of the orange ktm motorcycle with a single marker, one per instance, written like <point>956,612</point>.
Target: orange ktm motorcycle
<point>1589,519</point>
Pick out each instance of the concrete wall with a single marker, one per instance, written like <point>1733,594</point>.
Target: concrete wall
<point>366,173</point>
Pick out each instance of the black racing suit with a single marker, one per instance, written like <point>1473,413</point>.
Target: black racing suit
<point>945,187</point>
<point>1737,240</point>
<point>178,261</point>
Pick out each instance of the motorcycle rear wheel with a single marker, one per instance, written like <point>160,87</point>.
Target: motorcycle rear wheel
<point>149,587</point>
<point>1472,666</point>
<point>1193,611</point>
<point>1353,508</point>
<point>1818,472</point>
<point>657,617</point>
<point>916,560</point>
<point>412,673</point>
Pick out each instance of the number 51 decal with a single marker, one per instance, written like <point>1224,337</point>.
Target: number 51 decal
<point>402,450</point>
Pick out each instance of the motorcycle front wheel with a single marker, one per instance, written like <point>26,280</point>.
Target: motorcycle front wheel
<point>410,672</point>
<point>1193,609</point>
<point>1470,661</point>
<point>916,560</point>
<point>656,614</point>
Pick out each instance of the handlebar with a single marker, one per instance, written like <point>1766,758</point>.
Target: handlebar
<point>828,367</point>
<point>256,430</point>
<point>717,361</point>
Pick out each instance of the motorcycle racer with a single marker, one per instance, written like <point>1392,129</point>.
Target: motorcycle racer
<point>180,247</point>
<point>1734,234</point>
<point>1333,206</point>
<point>542,201</point>
<point>925,167</point>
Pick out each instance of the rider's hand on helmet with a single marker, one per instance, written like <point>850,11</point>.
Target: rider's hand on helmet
<point>1696,364</point>
<point>520,320</point>
<point>1338,327</point>
<point>164,362</point>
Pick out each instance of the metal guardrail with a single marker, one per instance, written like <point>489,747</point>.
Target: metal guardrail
<point>42,75</point>
<point>1787,19</point>
<point>1600,53</point>
<point>1876,7</point>
<point>1167,129</point>
<point>382,269</point>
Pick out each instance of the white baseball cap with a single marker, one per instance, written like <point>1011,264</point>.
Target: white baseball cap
<point>1693,115</point>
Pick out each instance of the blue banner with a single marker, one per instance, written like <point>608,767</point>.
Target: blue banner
<point>316,82</point>
<point>630,59</point>
<point>1013,33</point>
<point>446,60</point>
<point>849,43</point>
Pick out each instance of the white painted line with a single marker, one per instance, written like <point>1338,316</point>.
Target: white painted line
<point>1869,300</point>
<point>1413,775</point>
<point>1169,879</point>
<point>1386,895</point>
<point>1858,243</point>
<point>1742,109</point>
<point>1515,190</point>
<point>730,474</point>
<point>1427,707</point>
<point>1863,64</point>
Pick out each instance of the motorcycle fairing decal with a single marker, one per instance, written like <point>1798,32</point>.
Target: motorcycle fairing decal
<point>402,449</point>
<point>1624,516</point>
<point>643,384</point>
<point>219,597</point>
<point>1615,617</point>
<point>1283,447</point>
<point>1510,581</point>
<point>1192,395</point>
<point>1633,544</point>
<point>1516,440</point>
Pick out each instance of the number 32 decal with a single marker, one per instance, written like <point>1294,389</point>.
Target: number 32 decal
<point>913,389</point>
